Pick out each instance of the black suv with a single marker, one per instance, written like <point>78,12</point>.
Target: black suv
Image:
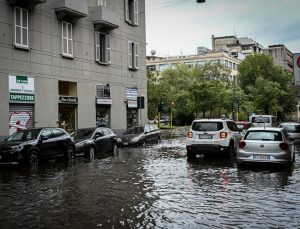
<point>30,146</point>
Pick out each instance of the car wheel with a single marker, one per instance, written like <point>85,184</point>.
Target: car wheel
<point>70,154</point>
<point>115,150</point>
<point>191,156</point>
<point>231,150</point>
<point>91,152</point>
<point>144,144</point>
<point>158,140</point>
<point>33,158</point>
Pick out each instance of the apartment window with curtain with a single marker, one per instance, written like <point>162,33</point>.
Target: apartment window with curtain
<point>67,39</point>
<point>103,53</point>
<point>133,55</point>
<point>21,28</point>
<point>131,11</point>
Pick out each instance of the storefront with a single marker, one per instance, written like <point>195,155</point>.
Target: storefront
<point>67,113</point>
<point>132,111</point>
<point>21,103</point>
<point>103,105</point>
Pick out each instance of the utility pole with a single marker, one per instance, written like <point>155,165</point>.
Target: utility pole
<point>233,101</point>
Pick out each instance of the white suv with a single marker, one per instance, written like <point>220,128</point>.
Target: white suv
<point>207,136</point>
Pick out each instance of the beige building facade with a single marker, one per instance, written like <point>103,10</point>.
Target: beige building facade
<point>72,63</point>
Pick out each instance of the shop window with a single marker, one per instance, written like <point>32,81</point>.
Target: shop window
<point>131,11</point>
<point>133,55</point>
<point>102,48</point>
<point>21,28</point>
<point>67,39</point>
<point>102,91</point>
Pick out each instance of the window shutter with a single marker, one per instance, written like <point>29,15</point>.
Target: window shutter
<point>25,27</point>
<point>108,58</point>
<point>97,46</point>
<point>136,56</point>
<point>126,10</point>
<point>130,53</point>
<point>70,39</point>
<point>136,12</point>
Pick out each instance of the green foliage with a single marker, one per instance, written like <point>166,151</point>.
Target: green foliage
<point>267,86</point>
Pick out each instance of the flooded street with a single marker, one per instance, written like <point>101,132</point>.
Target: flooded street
<point>153,187</point>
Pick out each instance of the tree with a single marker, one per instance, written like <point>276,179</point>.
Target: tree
<point>267,86</point>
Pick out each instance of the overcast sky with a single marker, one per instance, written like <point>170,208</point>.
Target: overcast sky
<point>175,27</point>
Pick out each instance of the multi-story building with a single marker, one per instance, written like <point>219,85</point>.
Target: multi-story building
<point>281,56</point>
<point>159,64</point>
<point>78,63</point>
<point>235,46</point>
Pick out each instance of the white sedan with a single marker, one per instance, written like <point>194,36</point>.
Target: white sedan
<point>266,145</point>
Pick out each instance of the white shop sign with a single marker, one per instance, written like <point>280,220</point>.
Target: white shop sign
<point>21,84</point>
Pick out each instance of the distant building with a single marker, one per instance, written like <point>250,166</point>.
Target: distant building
<point>159,64</point>
<point>281,56</point>
<point>235,46</point>
<point>203,50</point>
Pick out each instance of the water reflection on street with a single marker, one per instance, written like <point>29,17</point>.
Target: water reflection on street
<point>153,187</point>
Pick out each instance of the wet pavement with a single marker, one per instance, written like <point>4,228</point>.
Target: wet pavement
<point>153,187</point>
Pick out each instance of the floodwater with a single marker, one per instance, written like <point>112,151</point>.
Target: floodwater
<point>153,187</point>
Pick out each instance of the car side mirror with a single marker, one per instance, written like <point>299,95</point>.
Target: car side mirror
<point>43,138</point>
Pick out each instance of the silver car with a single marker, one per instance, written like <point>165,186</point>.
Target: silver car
<point>266,145</point>
<point>293,128</point>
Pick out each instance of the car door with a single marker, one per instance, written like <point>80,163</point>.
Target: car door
<point>61,141</point>
<point>99,140</point>
<point>147,134</point>
<point>109,141</point>
<point>47,144</point>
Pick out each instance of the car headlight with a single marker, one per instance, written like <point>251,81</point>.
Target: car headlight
<point>19,147</point>
<point>83,143</point>
<point>136,139</point>
<point>119,140</point>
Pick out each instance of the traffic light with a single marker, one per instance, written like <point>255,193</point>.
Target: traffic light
<point>159,108</point>
<point>162,105</point>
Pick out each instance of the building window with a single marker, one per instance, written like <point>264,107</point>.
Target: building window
<point>102,48</point>
<point>131,11</point>
<point>133,55</point>
<point>101,3</point>
<point>21,27</point>
<point>67,39</point>
<point>102,91</point>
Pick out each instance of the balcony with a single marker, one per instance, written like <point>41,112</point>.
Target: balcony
<point>29,4</point>
<point>71,10</point>
<point>104,18</point>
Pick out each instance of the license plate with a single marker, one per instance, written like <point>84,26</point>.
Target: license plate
<point>205,136</point>
<point>261,157</point>
<point>125,143</point>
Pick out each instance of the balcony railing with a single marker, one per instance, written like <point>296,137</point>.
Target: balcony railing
<point>104,18</point>
<point>71,9</point>
<point>29,4</point>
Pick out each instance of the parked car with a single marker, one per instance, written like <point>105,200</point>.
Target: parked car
<point>140,136</point>
<point>266,145</point>
<point>30,146</point>
<point>208,136</point>
<point>264,121</point>
<point>95,140</point>
<point>293,128</point>
<point>243,126</point>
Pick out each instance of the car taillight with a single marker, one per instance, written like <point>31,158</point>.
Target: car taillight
<point>223,134</point>
<point>242,144</point>
<point>284,146</point>
<point>190,134</point>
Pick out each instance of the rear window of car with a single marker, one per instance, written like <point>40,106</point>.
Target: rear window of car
<point>260,120</point>
<point>262,135</point>
<point>207,126</point>
<point>290,128</point>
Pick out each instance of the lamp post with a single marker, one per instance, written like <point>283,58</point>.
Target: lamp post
<point>233,100</point>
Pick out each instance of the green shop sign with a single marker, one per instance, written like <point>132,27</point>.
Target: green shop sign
<point>22,79</point>
<point>21,97</point>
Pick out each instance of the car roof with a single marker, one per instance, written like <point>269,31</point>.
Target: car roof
<point>212,120</point>
<point>290,123</point>
<point>265,128</point>
<point>242,122</point>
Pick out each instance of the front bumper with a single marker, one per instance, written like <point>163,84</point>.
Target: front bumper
<point>11,157</point>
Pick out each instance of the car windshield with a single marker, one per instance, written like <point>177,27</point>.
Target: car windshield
<point>83,133</point>
<point>24,135</point>
<point>135,130</point>
<point>207,126</point>
<point>260,119</point>
<point>290,128</point>
<point>263,135</point>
